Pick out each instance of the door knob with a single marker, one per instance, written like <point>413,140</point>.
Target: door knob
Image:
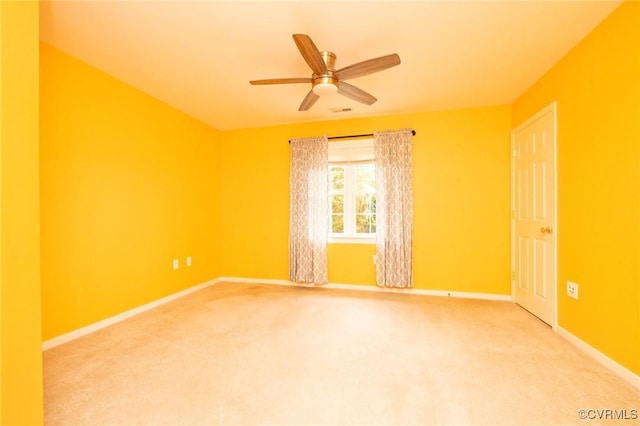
<point>545,230</point>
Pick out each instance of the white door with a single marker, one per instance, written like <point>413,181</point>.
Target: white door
<point>533,215</point>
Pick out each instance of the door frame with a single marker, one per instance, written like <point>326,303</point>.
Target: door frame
<point>552,107</point>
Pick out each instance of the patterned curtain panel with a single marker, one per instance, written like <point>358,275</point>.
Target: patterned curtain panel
<point>394,207</point>
<point>308,207</point>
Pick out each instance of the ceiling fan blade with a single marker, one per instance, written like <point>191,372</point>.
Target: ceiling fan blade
<point>308,101</point>
<point>310,53</point>
<point>368,67</point>
<point>354,93</point>
<point>281,81</point>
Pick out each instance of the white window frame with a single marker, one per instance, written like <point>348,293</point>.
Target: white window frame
<point>350,155</point>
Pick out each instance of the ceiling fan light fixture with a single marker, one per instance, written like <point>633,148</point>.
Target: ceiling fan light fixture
<point>325,85</point>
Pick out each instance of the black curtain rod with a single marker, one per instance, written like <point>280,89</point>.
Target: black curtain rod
<point>413,132</point>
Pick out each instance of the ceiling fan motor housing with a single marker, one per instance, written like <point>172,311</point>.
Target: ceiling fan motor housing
<point>327,83</point>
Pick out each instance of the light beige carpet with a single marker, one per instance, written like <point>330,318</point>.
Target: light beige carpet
<point>241,354</point>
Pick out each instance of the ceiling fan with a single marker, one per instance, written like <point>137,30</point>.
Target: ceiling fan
<point>325,79</point>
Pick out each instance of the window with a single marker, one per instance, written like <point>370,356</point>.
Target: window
<point>352,191</point>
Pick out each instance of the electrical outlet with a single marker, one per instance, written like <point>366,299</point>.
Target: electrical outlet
<point>176,263</point>
<point>374,259</point>
<point>572,289</point>
<point>188,260</point>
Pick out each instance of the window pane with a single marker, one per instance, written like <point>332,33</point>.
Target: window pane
<point>337,223</point>
<point>361,224</point>
<point>365,179</point>
<point>337,203</point>
<point>352,200</point>
<point>365,203</point>
<point>365,223</point>
<point>336,178</point>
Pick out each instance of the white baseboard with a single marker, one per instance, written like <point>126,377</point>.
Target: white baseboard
<point>67,337</point>
<point>259,281</point>
<point>364,287</point>
<point>626,374</point>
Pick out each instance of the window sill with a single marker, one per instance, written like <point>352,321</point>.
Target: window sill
<point>346,240</point>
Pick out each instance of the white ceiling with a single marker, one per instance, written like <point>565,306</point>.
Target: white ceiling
<point>199,56</point>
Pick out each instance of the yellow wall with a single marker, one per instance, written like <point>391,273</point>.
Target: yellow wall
<point>597,87</point>
<point>461,192</point>
<point>20,301</point>
<point>127,185</point>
